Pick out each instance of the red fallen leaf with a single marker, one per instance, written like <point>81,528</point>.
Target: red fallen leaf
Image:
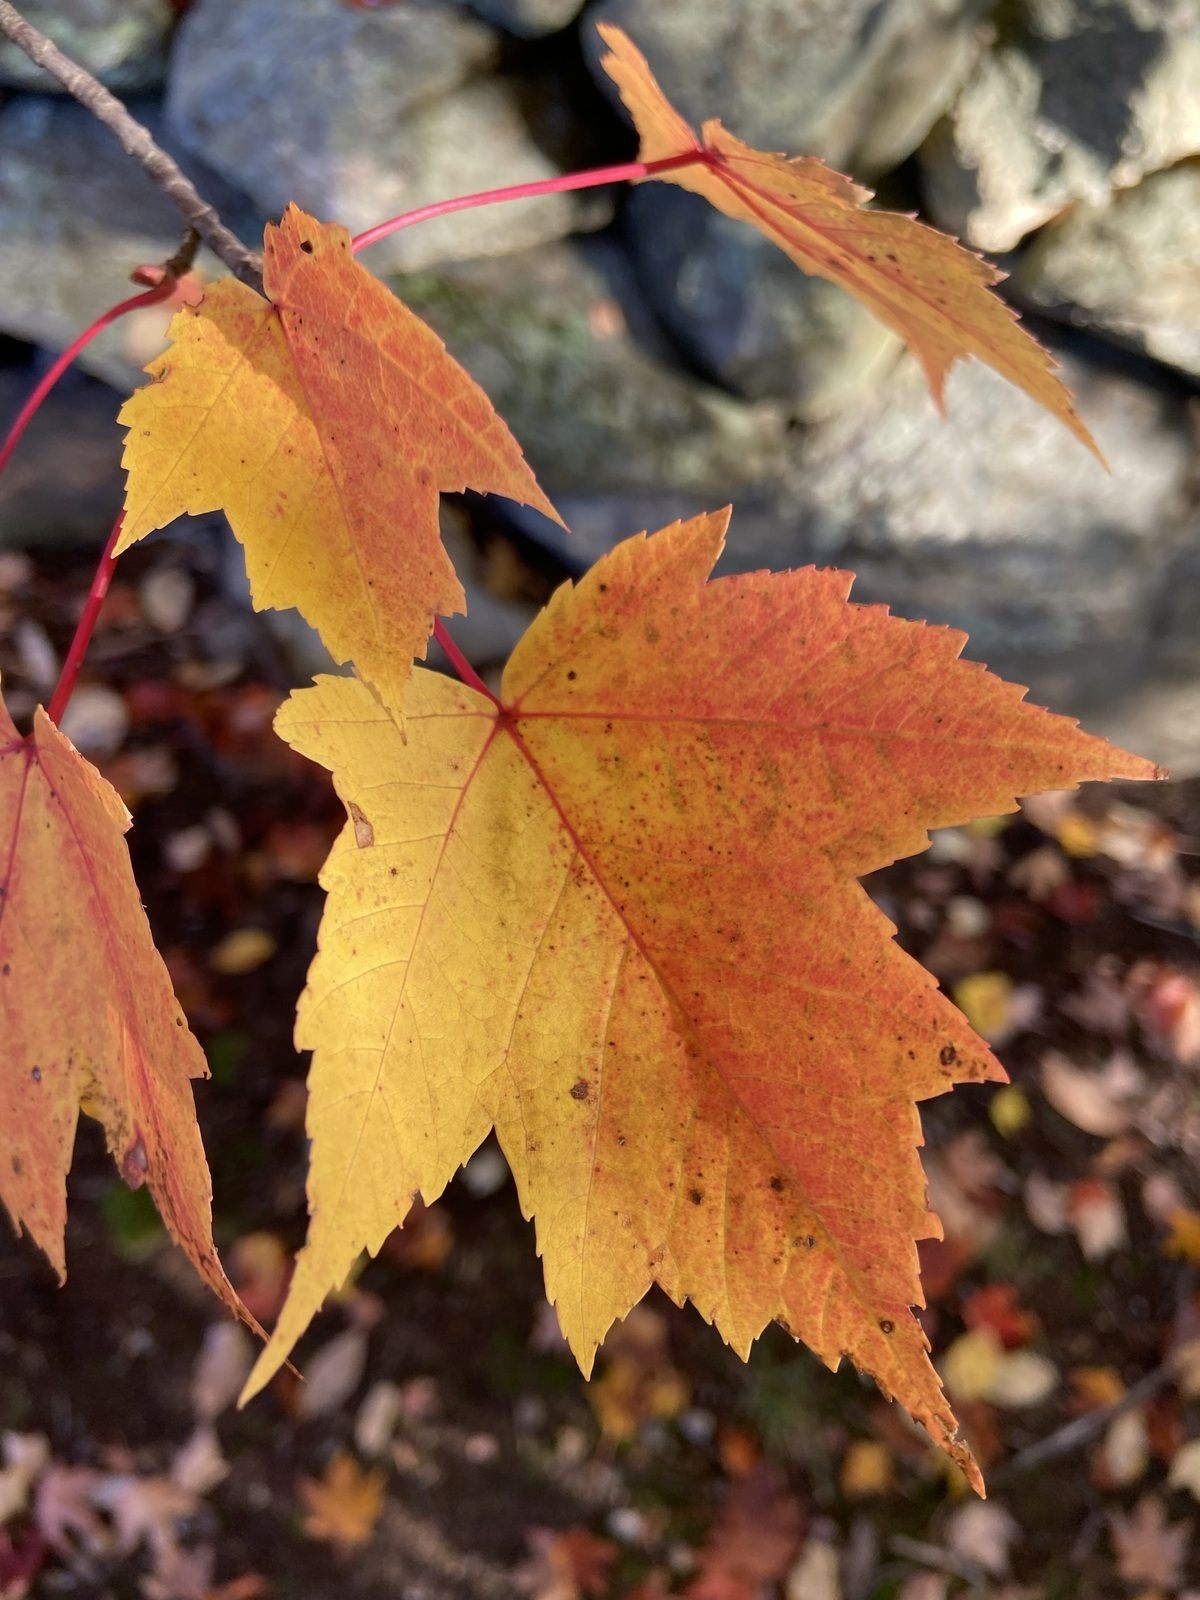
<point>998,1306</point>
<point>572,1565</point>
<point>1075,902</point>
<point>20,1562</point>
<point>754,1540</point>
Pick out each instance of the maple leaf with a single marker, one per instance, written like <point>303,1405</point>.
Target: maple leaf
<point>325,421</point>
<point>615,917</point>
<point>930,291</point>
<point>344,1504</point>
<point>754,1541</point>
<point>87,1013</point>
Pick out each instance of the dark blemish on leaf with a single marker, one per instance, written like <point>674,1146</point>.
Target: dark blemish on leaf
<point>393,871</point>
<point>579,1090</point>
<point>885,1326</point>
<point>948,1055</point>
<point>36,1074</point>
<point>572,675</point>
<point>306,246</point>
<point>603,588</point>
<point>5,969</point>
<point>179,1022</point>
<point>621,1139</point>
<point>777,1183</point>
<point>695,1196</point>
<point>17,1166</point>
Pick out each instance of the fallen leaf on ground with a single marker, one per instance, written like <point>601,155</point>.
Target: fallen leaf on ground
<point>1100,1100</point>
<point>754,1540</point>
<point>332,1374</point>
<point>87,1013</point>
<point>571,1565</point>
<point>983,1532</point>
<point>1096,1214</point>
<point>343,1505</point>
<point>1185,1469</point>
<point>1124,1453</point>
<point>144,1510</point>
<point>920,283</point>
<point>638,1382</point>
<point>816,1575</point>
<point>326,421</point>
<point>199,1466</point>
<point>220,1370</point>
<point>617,918</point>
<point>1148,1548</point>
<point>866,1469</point>
<point>64,1512</point>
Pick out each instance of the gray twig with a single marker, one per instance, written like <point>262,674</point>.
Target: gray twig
<point>1074,1435</point>
<point>136,141</point>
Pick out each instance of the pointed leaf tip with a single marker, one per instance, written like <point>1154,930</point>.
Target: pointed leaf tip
<point>326,421</point>
<point>617,919</point>
<point>936,295</point>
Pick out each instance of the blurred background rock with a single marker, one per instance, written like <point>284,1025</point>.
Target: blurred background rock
<point>654,358</point>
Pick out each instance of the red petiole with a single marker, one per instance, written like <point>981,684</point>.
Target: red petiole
<point>592,178</point>
<point>626,172</point>
<point>28,411</point>
<point>85,626</point>
<point>459,661</point>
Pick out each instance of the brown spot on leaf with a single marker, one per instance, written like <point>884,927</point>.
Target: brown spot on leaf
<point>695,1196</point>
<point>364,833</point>
<point>135,1164</point>
<point>948,1055</point>
<point>579,1090</point>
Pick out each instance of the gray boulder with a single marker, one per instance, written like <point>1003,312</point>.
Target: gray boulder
<point>745,315</point>
<point>76,216</point>
<point>859,82</point>
<point>64,482</point>
<point>1078,98</point>
<point>1127,269</point>
<point>550,336</point>
<point>361,114</point>
<point>123,42</point>
<point>1081,584</point>
<point>529,19</point>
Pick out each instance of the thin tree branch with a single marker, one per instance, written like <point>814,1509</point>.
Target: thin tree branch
<point>136,141</point>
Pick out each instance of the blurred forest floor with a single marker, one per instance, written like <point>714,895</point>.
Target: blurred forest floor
<point>444,1443</point>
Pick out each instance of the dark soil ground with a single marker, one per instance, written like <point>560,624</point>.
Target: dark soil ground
<point>1063,1303</point>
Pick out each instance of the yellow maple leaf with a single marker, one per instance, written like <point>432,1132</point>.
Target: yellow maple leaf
<point>343,1505</point>
<point>88,1018</point>
<point>921,283</point>
<point>325,421</point>
<point>614,915</point>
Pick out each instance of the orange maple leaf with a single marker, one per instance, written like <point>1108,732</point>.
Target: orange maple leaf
<point>326,421</point>
<point>615,916</point>
<point>343,1505</point>
<point>921,283</point>
<point>88,1018</point>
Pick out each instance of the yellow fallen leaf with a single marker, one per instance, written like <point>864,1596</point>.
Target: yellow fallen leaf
<point>343,1505</point>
